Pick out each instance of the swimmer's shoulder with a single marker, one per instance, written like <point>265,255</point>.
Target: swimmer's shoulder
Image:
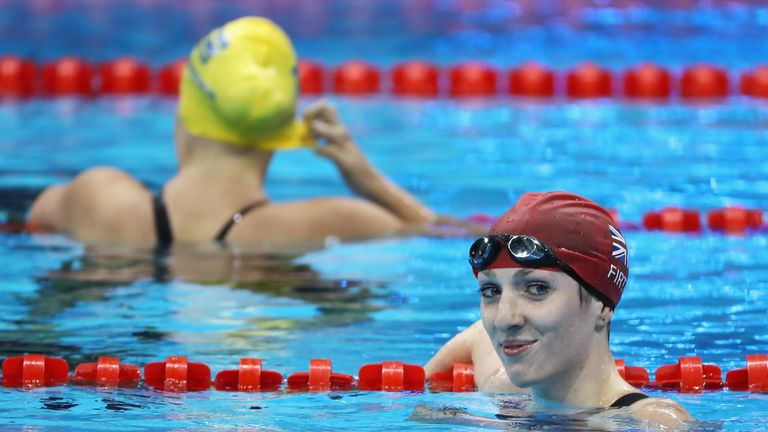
<point>662,411</point>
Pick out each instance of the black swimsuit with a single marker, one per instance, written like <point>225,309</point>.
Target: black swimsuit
<point>163,223</point>
<point>627,400</point>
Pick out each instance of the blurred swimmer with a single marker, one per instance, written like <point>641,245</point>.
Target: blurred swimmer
<point>550,273</point>
<point>237,104</point>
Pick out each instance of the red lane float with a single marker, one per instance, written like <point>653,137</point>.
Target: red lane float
<point>34,370</point>
<point>754,82</point>
<point>704,82</point>
<point>391,377</point>
<point>415,78</point>
<point>356,78</point>
<point>532,80</point>
<point>481,218</point>
<point>673,219</point>
<point>753,378</point>
<point>124,75</point>
<point>13,227</point>
<point>106,372</point>
<point>169,78</point>
<point>689,375</point>
<point>589,80</point>
<point>647,81</point>
<point>461,378</point>
<point>320,377</point>
<point>177,374</point>
<point>68,76</point>
<point>311,78</point>
<point>636,376</point>
<point>472,79</point>
<point>734,220</point>
<point>250,377</point>
<point>17,77</point>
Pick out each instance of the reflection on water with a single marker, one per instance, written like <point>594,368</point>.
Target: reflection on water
<point>519,412</point>
<point>210,286</point>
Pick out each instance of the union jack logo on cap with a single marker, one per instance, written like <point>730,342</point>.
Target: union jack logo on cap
<point>619,246</point>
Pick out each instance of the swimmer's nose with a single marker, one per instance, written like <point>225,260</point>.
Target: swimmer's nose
<point>509,315</point>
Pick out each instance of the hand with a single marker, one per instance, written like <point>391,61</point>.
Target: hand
<point>361,176</point>
<point>335,143</point>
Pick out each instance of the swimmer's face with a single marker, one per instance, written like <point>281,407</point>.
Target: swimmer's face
<point>538,326</point>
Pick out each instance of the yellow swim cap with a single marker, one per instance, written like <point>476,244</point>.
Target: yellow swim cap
<point>240,86</point>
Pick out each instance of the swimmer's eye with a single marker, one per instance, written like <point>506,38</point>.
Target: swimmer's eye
<point>536,289</point>
<point>489,291</point>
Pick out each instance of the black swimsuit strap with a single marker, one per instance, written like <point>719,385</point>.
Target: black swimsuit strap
<point>162,223</point>
<point>628,399</point>
<point>237,218</point>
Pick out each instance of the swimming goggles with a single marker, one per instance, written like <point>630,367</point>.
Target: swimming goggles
<point>527,251</point>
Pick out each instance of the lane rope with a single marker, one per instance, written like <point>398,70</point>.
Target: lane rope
<point>22,78</point>
<point>177,374</point>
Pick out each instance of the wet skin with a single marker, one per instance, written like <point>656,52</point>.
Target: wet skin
<point>552,337</point>
<point>537,323</point>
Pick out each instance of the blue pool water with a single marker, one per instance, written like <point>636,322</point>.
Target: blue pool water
<point>393,299</point>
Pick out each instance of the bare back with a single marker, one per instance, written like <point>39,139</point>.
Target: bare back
<point>312,222</point>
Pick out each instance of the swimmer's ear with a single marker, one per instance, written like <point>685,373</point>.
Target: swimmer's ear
<point>604,318</point>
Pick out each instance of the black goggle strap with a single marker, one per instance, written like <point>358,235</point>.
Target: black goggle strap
<point>572,273</point>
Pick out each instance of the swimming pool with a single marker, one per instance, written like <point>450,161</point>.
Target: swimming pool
<point>395,299</point>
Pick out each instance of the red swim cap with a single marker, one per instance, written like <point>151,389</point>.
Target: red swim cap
<point>580,232</point>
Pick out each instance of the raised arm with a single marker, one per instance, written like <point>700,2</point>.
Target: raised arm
<point>473,346</point>
<point>458,349</point>
<point>361,176</point>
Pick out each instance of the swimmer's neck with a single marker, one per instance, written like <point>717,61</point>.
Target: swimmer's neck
<point>207,160</point>
<point>210,168</point>
<point>230,174</point>
<point>596,384</point>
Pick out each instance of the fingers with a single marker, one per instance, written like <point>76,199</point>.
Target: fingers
<point>321,110</point>
<point>332,132</point>
<point>312,111</point>
<point>324,125</point>
<point>325,151</point>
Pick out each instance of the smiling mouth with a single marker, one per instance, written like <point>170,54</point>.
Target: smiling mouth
<point>516,348</point>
